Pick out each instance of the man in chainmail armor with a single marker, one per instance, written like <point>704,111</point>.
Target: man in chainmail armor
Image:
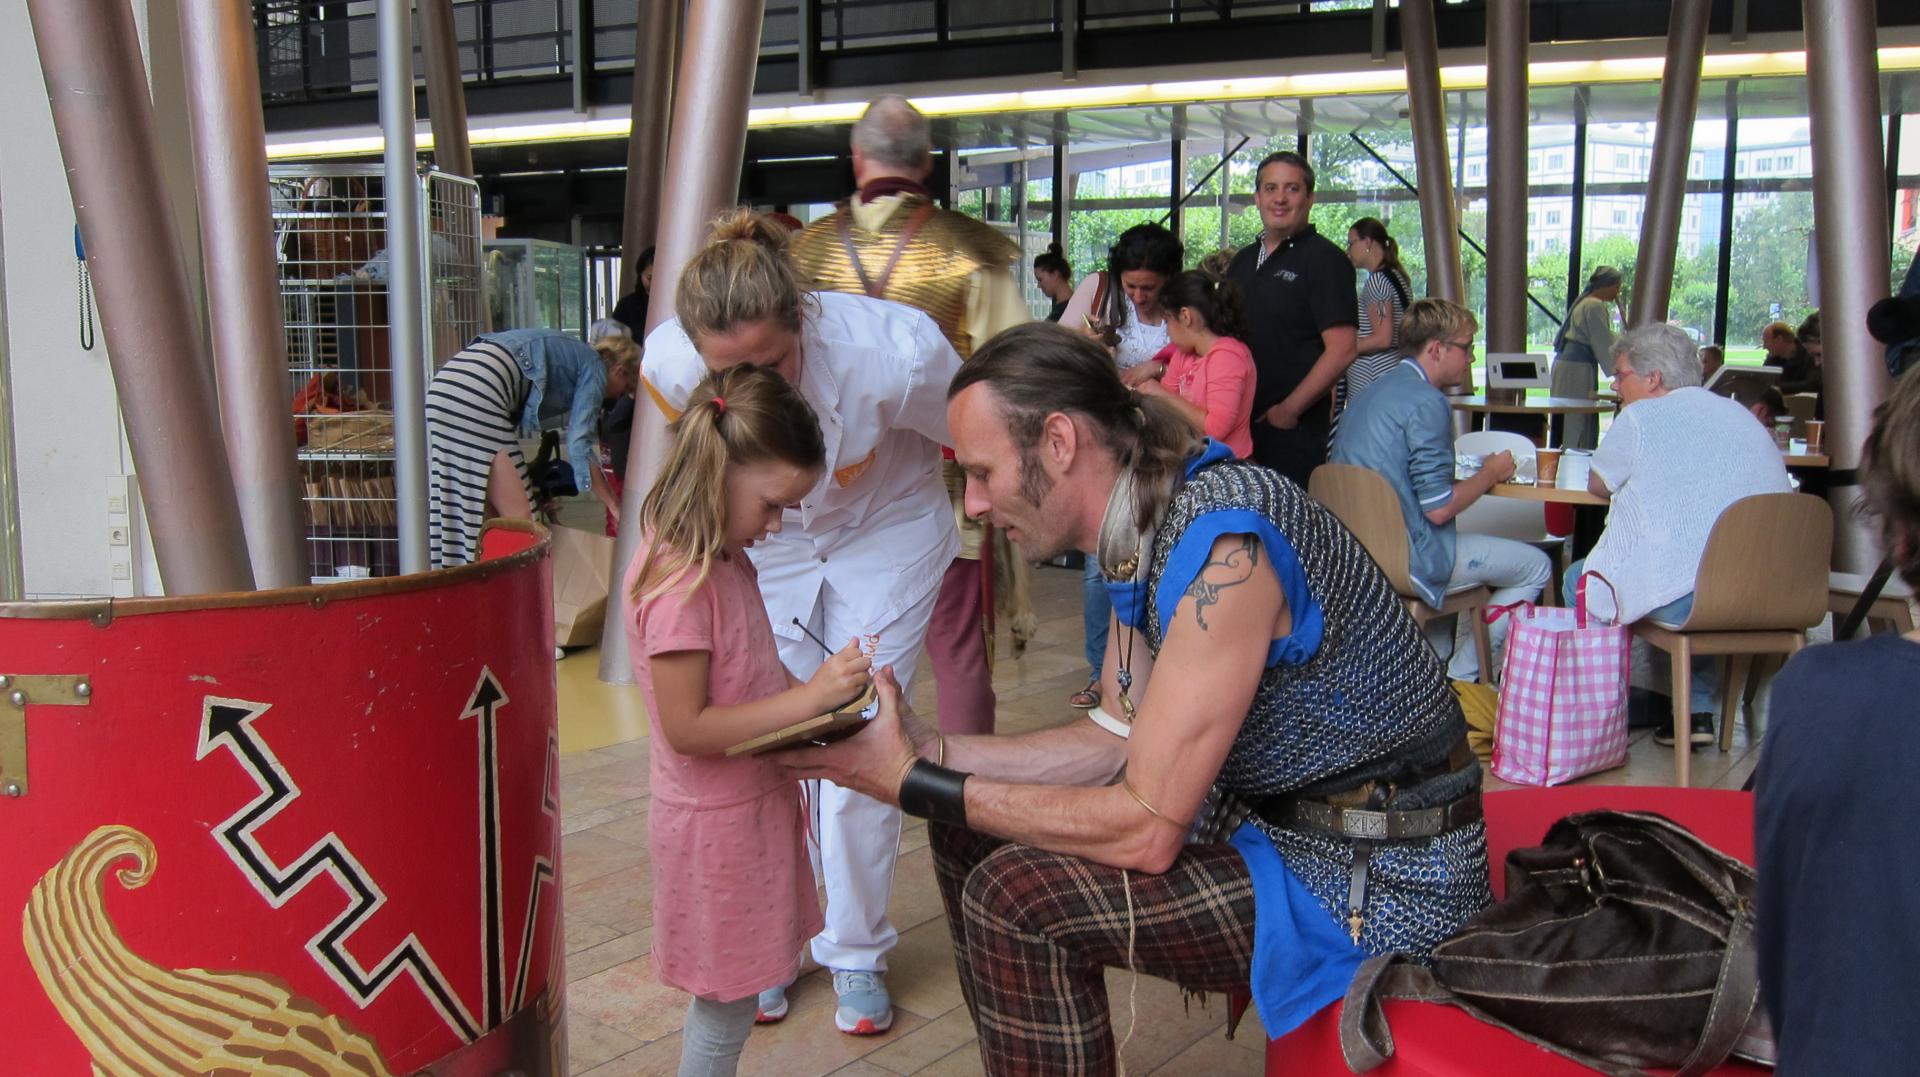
<point>1290,795</point>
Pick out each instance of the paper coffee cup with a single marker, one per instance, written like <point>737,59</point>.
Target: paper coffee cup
<point>1546,465</point>
<point>1573,471</point>
<point>1815,428</point>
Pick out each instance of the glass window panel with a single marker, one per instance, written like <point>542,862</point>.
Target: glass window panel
<point>1772,231</point>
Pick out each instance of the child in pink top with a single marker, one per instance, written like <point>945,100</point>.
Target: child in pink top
<point>1205,369</point>
<point>734,897</point>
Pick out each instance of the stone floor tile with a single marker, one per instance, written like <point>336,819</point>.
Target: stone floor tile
<point>605,955</point>
<point>583,933</point>
<point>931,1042</point>
<point>589,1043</point>
<point>586,855</point>
<point>630,999</point>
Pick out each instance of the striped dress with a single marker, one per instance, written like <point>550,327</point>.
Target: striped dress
<point>473,412</point>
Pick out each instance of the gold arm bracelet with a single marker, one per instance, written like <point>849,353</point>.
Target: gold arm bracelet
<point>1127,784</point>
<point>940,760</point>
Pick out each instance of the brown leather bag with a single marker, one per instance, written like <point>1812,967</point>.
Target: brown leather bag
<point>1624,941</point>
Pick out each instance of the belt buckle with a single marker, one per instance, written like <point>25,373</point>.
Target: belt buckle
<point>1360,824</point>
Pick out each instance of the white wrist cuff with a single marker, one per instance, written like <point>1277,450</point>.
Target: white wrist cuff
<point>1108,722</point>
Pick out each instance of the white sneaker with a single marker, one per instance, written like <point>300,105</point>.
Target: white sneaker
<point>773,1006</point>
<point>865,1007</point>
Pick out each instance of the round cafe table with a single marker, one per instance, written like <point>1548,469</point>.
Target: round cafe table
<point>1543,408</point>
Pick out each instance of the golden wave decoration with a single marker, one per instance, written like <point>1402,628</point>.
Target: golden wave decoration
<point>138,1019</point>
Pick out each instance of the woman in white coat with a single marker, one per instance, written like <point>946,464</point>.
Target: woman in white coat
<point>863,553</point>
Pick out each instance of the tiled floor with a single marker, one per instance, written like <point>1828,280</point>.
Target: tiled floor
<point>622,1022</point>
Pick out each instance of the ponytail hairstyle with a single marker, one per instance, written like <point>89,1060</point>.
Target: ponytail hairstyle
<point>740,277</point>
<point>1215,299</point>
<point>1054,261</point>
<point>1144,246</point>
<point>1372,228</point>
<point>740,416</point>
<point>1038,369</point>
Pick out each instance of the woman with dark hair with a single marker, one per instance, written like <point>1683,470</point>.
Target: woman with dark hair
<point>1118,305</point>
<point>1838,860</point>
<point>1206,371</point>
<point>1054,277</point>
<point>631,311</point>
<point>1383,303</point>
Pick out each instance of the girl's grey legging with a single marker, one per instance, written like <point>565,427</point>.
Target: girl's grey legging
<point>714,1034</point>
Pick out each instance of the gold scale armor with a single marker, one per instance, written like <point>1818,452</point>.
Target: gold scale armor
<point>934,269</point>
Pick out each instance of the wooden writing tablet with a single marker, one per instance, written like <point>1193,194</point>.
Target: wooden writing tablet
<point>835,725</point>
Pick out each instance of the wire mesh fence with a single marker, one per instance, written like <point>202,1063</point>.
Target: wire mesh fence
<point>330,229</point>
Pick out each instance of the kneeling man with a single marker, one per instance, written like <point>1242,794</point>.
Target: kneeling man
<point>1276,784</point>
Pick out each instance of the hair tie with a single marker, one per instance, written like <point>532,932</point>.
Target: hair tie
<point>719,405</point>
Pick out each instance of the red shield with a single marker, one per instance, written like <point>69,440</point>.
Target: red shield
<point>319,821</point>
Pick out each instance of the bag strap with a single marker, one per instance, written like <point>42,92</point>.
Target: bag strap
<point>1868,596</point>
<point>1099,307</point>
<point>1580,596</point>
<point>1366,1041</point>
<point>1494,613</point>
<point>1735,994</point>
<point>877,288</point>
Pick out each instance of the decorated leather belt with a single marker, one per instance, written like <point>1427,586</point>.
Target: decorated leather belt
<point>1360,815</point>
<point>1363,824</point>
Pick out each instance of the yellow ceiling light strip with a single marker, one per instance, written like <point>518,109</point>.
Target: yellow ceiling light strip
<point>1382,79</point>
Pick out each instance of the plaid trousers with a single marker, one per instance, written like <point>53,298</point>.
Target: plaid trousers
<point>1033,931</point>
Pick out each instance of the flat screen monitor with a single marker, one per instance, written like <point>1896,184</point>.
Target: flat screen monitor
<point>1517,370</point>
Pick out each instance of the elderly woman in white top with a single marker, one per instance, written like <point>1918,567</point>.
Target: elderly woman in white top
<point>1676,457</point>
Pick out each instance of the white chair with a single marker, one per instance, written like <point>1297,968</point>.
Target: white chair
<point>1505,517</point>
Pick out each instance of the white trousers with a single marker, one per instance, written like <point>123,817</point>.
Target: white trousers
<point>859,836</point>
<point>1514,570</point>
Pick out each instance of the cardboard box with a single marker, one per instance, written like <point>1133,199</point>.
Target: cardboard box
<point>582,573</point>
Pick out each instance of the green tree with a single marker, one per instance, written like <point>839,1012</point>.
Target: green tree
<point>1769,278</point>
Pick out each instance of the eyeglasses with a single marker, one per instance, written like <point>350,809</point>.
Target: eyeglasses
<point>1621,373</point>
<point>1466,347</point>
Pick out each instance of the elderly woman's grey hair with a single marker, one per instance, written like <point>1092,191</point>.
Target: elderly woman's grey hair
<point>892,132</point>
<point>607,327</point>
<point>1662,349</point>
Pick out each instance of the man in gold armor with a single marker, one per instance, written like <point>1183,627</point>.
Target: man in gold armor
<point>891,241</point>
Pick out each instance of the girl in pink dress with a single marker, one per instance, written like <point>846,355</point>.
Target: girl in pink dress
<point>733,897</point>
<point>1205,369</point>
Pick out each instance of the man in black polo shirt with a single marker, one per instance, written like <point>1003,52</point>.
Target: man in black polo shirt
<point>1301,319</point>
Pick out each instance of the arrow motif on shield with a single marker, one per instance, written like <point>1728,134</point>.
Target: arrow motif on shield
<point>228,723</point>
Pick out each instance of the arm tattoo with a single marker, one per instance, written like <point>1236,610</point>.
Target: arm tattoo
<point>1222,571</point>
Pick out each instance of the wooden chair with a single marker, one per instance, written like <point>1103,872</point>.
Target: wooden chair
<point>1363,501</point>
<point>1894,606</point>
<point>1761,584</point>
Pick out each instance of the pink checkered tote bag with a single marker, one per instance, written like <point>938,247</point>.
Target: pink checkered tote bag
<point>1563,693</point>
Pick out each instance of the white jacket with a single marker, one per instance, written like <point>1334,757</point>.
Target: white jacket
<point>878,526</point>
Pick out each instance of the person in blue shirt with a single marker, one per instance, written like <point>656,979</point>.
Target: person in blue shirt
<point>1401,427</point>
<point>1839,879</point>
<point>501,388</point>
